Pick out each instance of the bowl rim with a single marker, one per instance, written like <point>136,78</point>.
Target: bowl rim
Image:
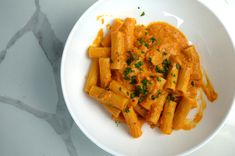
<point>67,101</point>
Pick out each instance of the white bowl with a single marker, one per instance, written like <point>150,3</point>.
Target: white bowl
<point>200,26</point>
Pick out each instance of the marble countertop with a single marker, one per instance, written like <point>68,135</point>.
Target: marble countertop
<point>33,116</point>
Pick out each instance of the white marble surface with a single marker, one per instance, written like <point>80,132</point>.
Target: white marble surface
<point>33,117</point>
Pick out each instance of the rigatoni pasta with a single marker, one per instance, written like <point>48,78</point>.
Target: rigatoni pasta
<point>132,122</point>
<point>106,42</point>
<point>166,120</point>
<point>128,28</point>
<point>117,50</point>
<point>156,110</point>
<point>93,75</point>
<point>147,74</point>
<point>97,52</point>
<point>105,71</point>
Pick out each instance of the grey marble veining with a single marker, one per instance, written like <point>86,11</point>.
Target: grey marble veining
<point>60,121</point>
<point>52,47</point>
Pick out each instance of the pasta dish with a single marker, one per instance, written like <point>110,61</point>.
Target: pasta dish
<point>148,74</point>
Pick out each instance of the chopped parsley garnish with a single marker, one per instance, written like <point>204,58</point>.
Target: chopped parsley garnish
<point>142,52</point>
<point>158,79</point>
<point>133,80</point>
<point>158,43</point>
<point>144,88</point>
<point>173,74</point>
<point>178,66</point>
<point>131,57</point>
<point>146,45</point>
<point>152,39</point>
<point>157,69</point>
<point>158,92</point>
<point>137,91</point>
<point>141,99</point>
<point>126,72</point>
<point>166,63</point>
<point>128,61</point>
<point>170,98</point>
<point>153,97</point>
<point>174,82</point>
<point>132,95</point>
<point>144,82</point>
<point>145,91</point>
<point>150,59</point>
<point>166,66</point>
<point>141,41</point>
<point>138,64</point>
<point>140,90</point>
<point>142,14</point>
<point>127,110</point>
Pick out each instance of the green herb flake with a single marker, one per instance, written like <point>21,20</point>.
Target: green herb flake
<point>152,39</point>
<point>158,43</point>
<point>146,45</point>
<point>138,64</point>
<point>157,69</point>
<point>178,66</point>
<point>158,92</point>
<point>142,14</point>
<point>128,61</point>
<point>158,79</point>
<point>131,57</point>
<point>173,74</point>
<point>150,59</point>
<point>153,97</point>
<point>127,110</point>
<point>166,66</point>
<point>170,98</point>
<point>145,92</point>
<point>144,82</point>
<point>142,52</point>
<point>133,80</point>
<point>142,98</point>
<point>141,41</point>
<point>132,95</point>
<point>126,72</point>
<point>138,90</point>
